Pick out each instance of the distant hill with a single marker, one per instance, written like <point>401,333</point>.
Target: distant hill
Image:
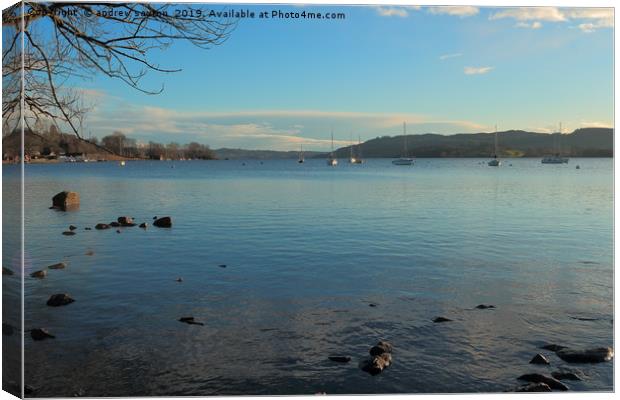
<point>241,154</point>
<point>585,142</point>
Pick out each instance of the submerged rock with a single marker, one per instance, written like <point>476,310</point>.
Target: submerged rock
<point>484,306</point>
<point>66,200</point>
<point>6,271</point>
<point>88,229</point>
<point>380,348</point>
<point>144,225</point>
<point>222,265</point>
<point>68,233</point>
<point>102,226</point>
<point>596,355</point>
<point>372,305</point>
<point>179,279</point>
<point>441,319</point>
<point>539,378</point>
<point>341,359</point>
<point>89,253</point>
<point>72,227</point>
<point>118,231</point>
<point>60,265</point>
<point>533,387</point>
<point>566,376</point>
<point>41,334</point>
<point>39,274</point>
<point>190,320</point>
<point>375,365</point>
<point>114,224</point>
<point>539,359</point>
<point>163,222</point>
<point>553,347</point>
<point>60,299</point>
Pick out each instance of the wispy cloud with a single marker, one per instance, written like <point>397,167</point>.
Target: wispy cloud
<point>460,11</point>
<point>395,11</point>
<point>447,56</point>
<point>588,19</point>
<point>527,25</point>
<point>595,124</point>
<point>477,70</point>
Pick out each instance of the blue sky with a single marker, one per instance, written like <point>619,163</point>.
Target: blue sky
<point>276,84</point>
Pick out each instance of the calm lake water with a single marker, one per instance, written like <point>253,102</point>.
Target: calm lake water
<point>307,248</point>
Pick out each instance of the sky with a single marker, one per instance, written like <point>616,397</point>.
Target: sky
<point>278,84</point>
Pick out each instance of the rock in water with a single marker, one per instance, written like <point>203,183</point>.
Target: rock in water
<point>59,265</point>
<point>114,224</point>
<point>565,376</point>
<point>102,226</point>
<point>144,225</point>
<point>40,334</point>
<point>68,233</point>
<point>539,359</point>
<point>553,347</point>
<point>61,299</point>
<point>342,359</point>
<point>163,222</point>
<point>6,271</point>
<point>125,220</point>
<point>377,364</point>
<point>39,274</point>
<point>596,355</point>
<point>533,387</point>
<point>539,378</point>
<point>66,200</point>
<point>72,227</point>
<point>380,348</point>
<point>484,306</point>
<point>190,320</point>
<point>441,319</point>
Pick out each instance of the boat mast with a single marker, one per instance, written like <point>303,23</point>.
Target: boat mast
<point>359,147</point>
<point>495,155</point>
<point>332,153</point>
<point>405,138</point>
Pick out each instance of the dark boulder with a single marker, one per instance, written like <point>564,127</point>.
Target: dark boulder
<point>553,347</point>
<point>565,376</point>
<point>72,227</point>
<point>39,274</point>
<point>61,299</point>
<point>595,355</point>
<point>539,359</point>
<point>6,271</point>
<point>484,306</point>
<point>102,226</point>
<point>533,387</point>
<point>114,224</point>
<point>60,265</point>
<point>179,279</point>
<point>68,233</point>
<point>66,201</point>
<point>88,229</point>
<point>441,319</point>
<point>190,320</point>
<point>125,220</point>
<point>40,334</point>
<point>144,225</point>
<point>375,365</point>
<point>539,378</point>
<point>163,222</point>
<point>380,348</point>
<point>341,359</point>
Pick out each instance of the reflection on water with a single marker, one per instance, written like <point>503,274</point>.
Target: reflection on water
<point>307,249</point>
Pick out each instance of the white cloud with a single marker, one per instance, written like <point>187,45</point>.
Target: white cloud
<point>452,55</point>
<point>588,19</point>
<point>595,124</point>
<point>527,25</point>
<point>477,70</point>
<point>460,11</point>
<point>395,11</point>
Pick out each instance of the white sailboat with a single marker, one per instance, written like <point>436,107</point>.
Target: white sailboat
<point>359,159</point>
<point>352,159</point>
<point>495,162</point>
<point>301,154</point>
<point>332,161</point>
<point>557,157</point>
<point>405,159</point>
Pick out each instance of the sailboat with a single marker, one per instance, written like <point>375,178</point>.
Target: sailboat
<point>557,157</point>
<point>332,161</point>
<point>359,159</point>
<point>352,159</point>
<point>404,160</point>
<point>495,162</point>
<point>301,154</point>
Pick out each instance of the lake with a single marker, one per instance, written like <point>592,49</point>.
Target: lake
<point>308,249</point>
